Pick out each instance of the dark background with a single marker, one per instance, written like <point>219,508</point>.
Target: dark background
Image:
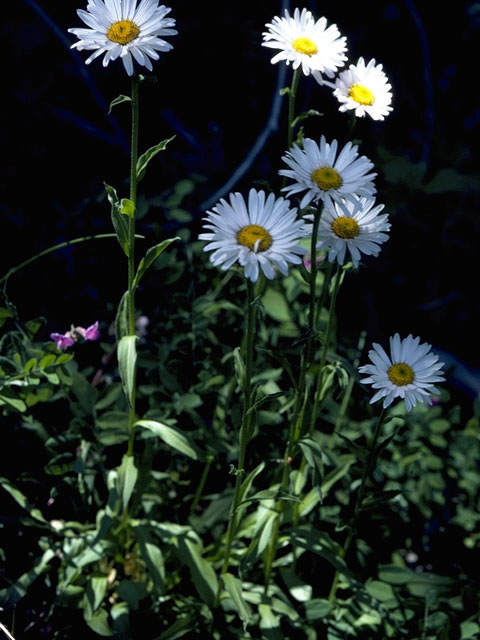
<point>217,92</point>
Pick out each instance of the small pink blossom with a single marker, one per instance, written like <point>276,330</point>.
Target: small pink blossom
<point>69,338</point>
<point>90,333</point>
<point>63,341</point>
<point>307,261</point>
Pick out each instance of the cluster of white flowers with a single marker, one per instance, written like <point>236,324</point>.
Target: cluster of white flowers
<point>319,51</point>
<point>264,232</point>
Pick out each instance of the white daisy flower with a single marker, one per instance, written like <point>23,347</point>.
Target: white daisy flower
<point>262,233</point>
<point>318,170</point>
<point>408,373</point>
<point>354,226</point>
<point>365,89</point>
<point>120,29</point>
<point>306,42</point>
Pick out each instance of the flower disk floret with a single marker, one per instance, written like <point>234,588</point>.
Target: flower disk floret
<point>353,227</point>
<point>307,43</point>
<point>365,90</point>
<point>409,372</point>
<point>120,29</point>
<point>262,233</point>
<point>324,175</point>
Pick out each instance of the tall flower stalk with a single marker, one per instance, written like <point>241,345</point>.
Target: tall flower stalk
<point>131,253</point>
<point>244,368</point>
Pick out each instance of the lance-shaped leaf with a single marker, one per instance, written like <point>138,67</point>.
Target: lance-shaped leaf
<point>127,477</point>
<point>173,437</point>
<point>121,319</point>
<point>145,158</point>
<point>233,587</point>
<point>118,100</point>
<point>150,257</point>
<point>127,362</point>
<point>120,223</point>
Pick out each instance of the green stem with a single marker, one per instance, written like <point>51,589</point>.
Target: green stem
<point>245,432</point>
<point>291,104</point>
<point>348,392</point>
<point>326,343</point>
<point>131,251</point>
<point>367,470</point>
<point>56,247</point>
<point>203,479</point>
<point>298,413</point>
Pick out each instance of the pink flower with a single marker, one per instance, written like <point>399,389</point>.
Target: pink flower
<point>63,341</point>
<point>69,338</point>
<point>90,333</point>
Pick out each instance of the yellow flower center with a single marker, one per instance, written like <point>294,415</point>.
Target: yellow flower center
<point>401,374</point>
<point>305,46</point>
<point>254,237</point>
<point>361,94</point>
<point>327,178</point>
<point>345,227</point>
<point>123,31</point>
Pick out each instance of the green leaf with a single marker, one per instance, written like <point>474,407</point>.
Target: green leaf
<point>267,398</point>
<point>120,223</point>
<point>6,313</point>
<point>276,306</point>
<point>84,393</point>
<point>313,454</point>
<point>299,590</point>
<point>127,208</point>
<point>358,452</point>
<point>46,361</point>
<point>234,589</point>
<point>9,398</point>
<point>95,592</point>
<point>132,592</point>
<point>269,623</point>
<point>239,367</point>
<point>127,477</point>
<point>320,543</point>
<point>344,464</point>
<point>20,499</point>
<point>171,436</point>
<point>99,623</point>
<point>113,427</point>
<point>61,464</point>
<point>303,116</point>
<point>382,591</point>
<point>178,628</point>
<point>145,158</point>
<point>317,609</point>
<point>13,594</point>
<point>470,630</point>
<point>118,100</point>
<point>284,362</point>
<point>202,572</point>
<point>394,575</point>
<point>375,500</point>
<point>449,180</point>
<point>247,483</point>
<point>153,557</point>
<point>150,257</point>
<point>127,363</point>
<point>121,319</point>
<point>267,529</point>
